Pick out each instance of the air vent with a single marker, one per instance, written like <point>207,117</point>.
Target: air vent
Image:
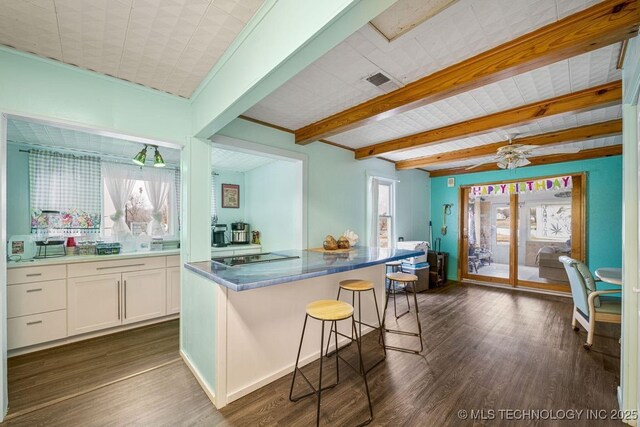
<point>378,79</point>
<point>383,81</point>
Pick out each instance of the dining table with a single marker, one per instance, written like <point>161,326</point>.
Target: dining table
<point>610,275</point>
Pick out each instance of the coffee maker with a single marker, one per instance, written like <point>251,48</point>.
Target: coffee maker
<point>218,232</point>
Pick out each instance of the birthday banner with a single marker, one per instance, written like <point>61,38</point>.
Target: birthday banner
<point>558,183</point>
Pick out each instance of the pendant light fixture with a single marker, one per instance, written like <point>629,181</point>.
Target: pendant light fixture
<point>139,158</point>
<point>158,161</point>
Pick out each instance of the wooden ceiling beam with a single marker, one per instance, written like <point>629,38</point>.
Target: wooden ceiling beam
<point>584,100</point>
<point>593,153</point>
<point>580,133</point>
<point>603,24</point>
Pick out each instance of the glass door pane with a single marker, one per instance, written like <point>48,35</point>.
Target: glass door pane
<point>545,233</point>
<point>489,237</point>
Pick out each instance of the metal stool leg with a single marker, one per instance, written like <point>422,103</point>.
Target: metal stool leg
<point>295,369</point>
<point>415,301</point>
<point>320,377</point>
<point>364,374</point>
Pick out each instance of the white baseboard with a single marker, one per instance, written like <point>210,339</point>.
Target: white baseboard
<point>237,394</point>
<point>203,384</point>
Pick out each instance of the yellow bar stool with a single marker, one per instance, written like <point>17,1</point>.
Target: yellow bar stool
<point>395,267</point>
<point>329,311</point>
<point>404,280</point>
<point>359,286</point>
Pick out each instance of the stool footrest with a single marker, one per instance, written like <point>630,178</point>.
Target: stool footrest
<point>395,331</point>
<point>314,390</point>
<point>404,350</point>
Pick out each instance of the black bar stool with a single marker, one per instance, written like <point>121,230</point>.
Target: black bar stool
<point>404,280</point>
<point>329,311</point>
<point>359,286</point>
<point>395,267</point>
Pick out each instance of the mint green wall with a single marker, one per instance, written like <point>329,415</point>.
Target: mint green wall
<point>47,88</point>
<point>284,37</point>
<point>274,204</point>
<point>18,217</point>
<point>229,215</point>
<point>604,206</point>
<point>336,193</point>
<point>629,354</point>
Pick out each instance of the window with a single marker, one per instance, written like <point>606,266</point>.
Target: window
<point>137,211</point>
<point>550,222</point>
<point>385,215</point>
<point>381,213</point>
<point>64,193</point>
<point>503,227</point>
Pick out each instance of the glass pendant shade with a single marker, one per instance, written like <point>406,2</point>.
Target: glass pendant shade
<point>158,161</point>
<point>140,157</point>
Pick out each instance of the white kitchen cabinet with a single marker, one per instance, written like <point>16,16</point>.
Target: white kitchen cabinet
<point>173,290</point>
<point>93,303</point>
<point>144,295</point>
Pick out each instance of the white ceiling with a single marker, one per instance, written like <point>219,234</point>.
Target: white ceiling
<point>39,135</point>
<point>235,161</point>
<point>169,45</point>
<point>336,82</point>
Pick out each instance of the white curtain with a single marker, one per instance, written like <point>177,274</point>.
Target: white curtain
<point>158,183</point>
<point>119,180</point>
<point>373,209</point>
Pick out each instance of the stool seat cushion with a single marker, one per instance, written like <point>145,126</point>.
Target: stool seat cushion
<point>402,277</point>
<point>356,285</point>
<point>393,263</point>
<point>329,309</point>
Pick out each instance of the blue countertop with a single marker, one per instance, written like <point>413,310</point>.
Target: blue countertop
<point>309,264</point>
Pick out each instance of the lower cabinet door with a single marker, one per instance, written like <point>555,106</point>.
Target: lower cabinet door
<point>173,290</point>
<point>144,295</point>
<point>93,303</point>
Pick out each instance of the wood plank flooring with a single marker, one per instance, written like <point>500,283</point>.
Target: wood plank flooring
<point>38,378</point>
<point>485,348</point>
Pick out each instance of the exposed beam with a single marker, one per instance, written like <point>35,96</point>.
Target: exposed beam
<point>612,150</point>
<point>581,133</point>
<point>584,100</point>
<point>605,23</point>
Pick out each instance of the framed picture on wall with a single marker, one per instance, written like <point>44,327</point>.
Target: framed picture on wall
<point>230,196</point>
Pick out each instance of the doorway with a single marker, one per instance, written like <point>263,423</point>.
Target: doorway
<point>513,232</point>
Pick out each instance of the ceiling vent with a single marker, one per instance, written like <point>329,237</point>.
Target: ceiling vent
<point>383,82</point>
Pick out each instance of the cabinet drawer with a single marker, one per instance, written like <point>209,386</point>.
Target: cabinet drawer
<point>35,329</point>
<point>115,266</point>
<point>32,298</point>
<point>173,261</point>
<point>36,274</point>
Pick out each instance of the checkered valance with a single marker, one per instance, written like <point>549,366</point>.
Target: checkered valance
<point>66,183</point>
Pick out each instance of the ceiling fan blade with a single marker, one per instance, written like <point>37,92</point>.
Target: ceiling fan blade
<point>555,150</point>
<point>524,148</point>
<point>484,162</point>
<point>523,161</point>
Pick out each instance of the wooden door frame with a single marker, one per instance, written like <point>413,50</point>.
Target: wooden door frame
<point>578,228</point>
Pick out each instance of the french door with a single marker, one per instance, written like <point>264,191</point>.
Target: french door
<point>513,232</point>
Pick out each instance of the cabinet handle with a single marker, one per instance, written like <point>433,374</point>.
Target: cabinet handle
<point>125,299</point>
<point>118,294</point>
<point>34,323</point>
<point>34,290</point>
<point>120,266</point>
<point>34,274</point>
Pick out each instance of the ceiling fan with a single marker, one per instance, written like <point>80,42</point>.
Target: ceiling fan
<point>513,156</point>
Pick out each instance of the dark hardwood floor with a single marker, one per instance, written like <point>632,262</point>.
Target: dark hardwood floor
<point>485,348</point>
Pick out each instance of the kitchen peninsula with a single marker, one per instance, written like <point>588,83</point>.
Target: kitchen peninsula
<point>260,304</point>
